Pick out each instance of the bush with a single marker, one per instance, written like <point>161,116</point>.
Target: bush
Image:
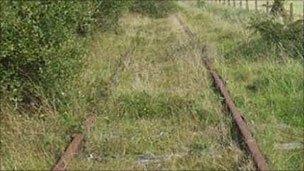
<point>154,8</point>
<point>287,37</point>
<point>38,44</point>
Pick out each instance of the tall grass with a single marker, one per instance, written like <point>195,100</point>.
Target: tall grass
<point>51,74</point>
<point>43,43</point>
<point>162,114</point>
<point>265,80</point>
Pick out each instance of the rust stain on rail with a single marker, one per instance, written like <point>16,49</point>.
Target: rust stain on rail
<point>237,116</point>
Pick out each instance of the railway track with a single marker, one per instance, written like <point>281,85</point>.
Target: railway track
<point>76,144</point>
<point>237,116</point>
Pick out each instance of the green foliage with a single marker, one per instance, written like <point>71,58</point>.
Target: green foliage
<point>154,8</point>
<point>108,12</point>
<point>201,3</point>
<point>38,45</point>
<point>287,37</point>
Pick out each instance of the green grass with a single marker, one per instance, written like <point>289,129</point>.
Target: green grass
<point>163,112</point>
<point>36,139</point>
<point>267,88</point>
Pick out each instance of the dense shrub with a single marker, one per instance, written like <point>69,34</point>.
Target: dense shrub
<point>38,44</point>
<point>284,36</point>
<point>154,8</point>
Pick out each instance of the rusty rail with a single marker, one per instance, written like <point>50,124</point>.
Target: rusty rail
<point>237,116</point>
<point>74,147</point>
<point>70,152</point>
<point>76,144</point>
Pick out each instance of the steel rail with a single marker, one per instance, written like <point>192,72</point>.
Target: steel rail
<point>237,116</point>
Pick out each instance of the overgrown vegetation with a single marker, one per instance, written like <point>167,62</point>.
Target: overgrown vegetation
<point>264,79</point>
<point>155,8</point>
<point>39,43</point>
<point>38,46</point>
<point>48,80</point>
<point>284,37</point>
<point>162,112</point>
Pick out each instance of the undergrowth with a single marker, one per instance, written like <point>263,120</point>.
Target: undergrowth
<point>287,37</point>
<point>51,76</point>
<point>43,43</point>
<point>162,114</point>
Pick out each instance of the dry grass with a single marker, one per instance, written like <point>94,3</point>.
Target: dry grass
<point>31,140</point>
<point>163,113</point>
